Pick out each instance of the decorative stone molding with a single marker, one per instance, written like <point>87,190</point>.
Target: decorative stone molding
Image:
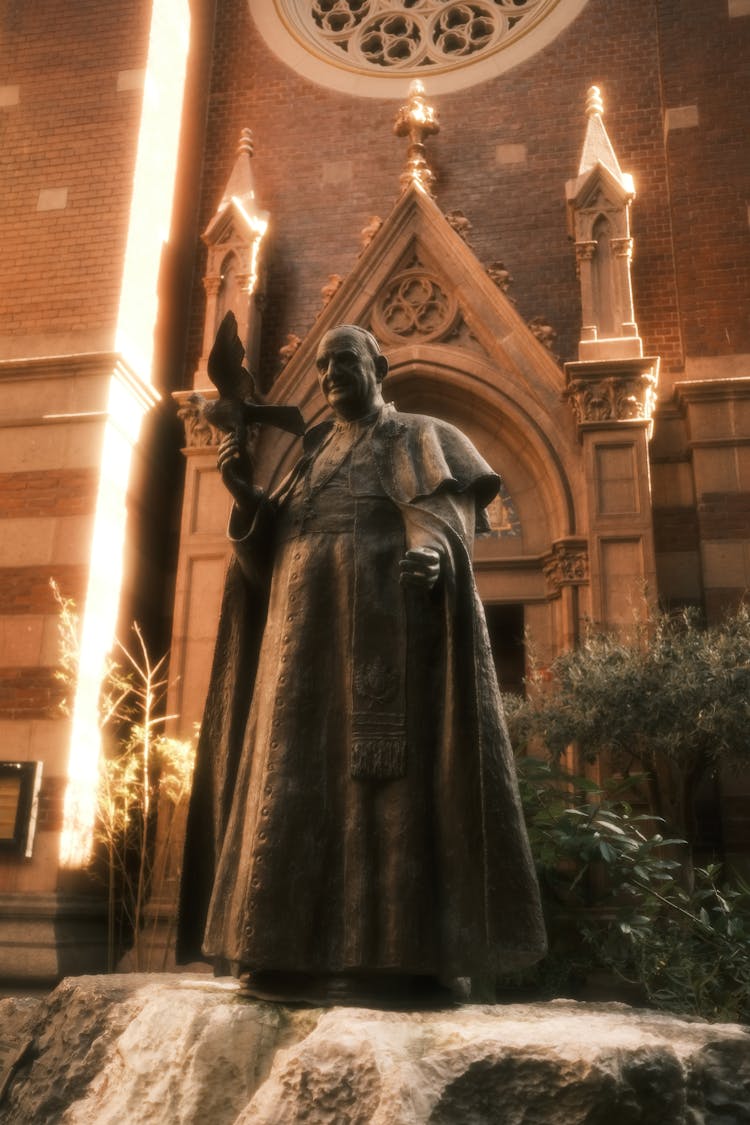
<point>368,232</point>
<point>211,286</point>
<point>544,332</point>
<point>613,398</point>
<point>458,221</point>
<point>199,433</point>
<point>374,34</point>
<point>599,201</point>
<point>331,288</point>
<point>585,251</point>
<point>622,247</point>
<point>566,565</point>
<point>290,347</point>
<point>414,306</point>
<point>234,274</point>
<point>501,276</point>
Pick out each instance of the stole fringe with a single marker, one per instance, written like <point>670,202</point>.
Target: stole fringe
<point>378,759</point>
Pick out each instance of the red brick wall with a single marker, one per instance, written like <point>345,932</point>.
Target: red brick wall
<point>60,269</point>
<point>645,56</point>
<point>675,529</point>
<point>724,515</point>
<point>706,63</point>
<point>517,212</point>
<point>26,589</point>
<point>44,492</point>
<point>30,693</point>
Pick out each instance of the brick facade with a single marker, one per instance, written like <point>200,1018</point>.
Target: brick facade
<point>26,589</point>
<point>30,693</point>
<point>71,129</point>
<point>691,205</point>
<point>65,492</point>
<point>704,60</point>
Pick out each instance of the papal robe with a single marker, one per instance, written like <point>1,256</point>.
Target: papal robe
<point>355,806</point>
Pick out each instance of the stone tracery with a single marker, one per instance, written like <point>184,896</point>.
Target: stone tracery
<point>414,305</point>
<point>414,34</point>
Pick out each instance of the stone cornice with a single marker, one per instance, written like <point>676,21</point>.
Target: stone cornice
<point>711,390</point>
<point>63,366</point>
<point>89,365</point>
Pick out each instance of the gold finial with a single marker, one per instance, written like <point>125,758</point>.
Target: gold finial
<point>594,103</point>
<point>246,143</point>
<point>416,120</point>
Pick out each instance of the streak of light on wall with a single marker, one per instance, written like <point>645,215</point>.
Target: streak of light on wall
<point>128,401</point>
<point>129,397</point>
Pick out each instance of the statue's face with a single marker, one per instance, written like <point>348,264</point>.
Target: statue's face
<point>348,374</point>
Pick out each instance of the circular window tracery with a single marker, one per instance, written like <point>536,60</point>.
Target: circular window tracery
<point>416,35</point>
<point>365,46</point>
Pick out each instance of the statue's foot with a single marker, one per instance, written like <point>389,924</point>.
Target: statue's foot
<point>393,991</point>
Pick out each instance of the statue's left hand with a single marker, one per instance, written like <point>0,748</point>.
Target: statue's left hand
<point>420,567</point>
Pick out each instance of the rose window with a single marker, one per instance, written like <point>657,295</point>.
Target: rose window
<point>363,45</point>
<point>415,34</point>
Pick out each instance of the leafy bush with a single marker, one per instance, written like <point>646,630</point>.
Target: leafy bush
<point>671,702</point>
<point>613,902</point>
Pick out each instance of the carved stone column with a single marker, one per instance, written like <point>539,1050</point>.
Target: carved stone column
<point>613,402</point>
<point>612,387</point>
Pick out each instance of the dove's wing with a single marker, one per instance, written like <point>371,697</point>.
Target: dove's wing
<point>225,368</point>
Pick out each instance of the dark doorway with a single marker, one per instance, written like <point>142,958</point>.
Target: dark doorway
<point>505,624</point>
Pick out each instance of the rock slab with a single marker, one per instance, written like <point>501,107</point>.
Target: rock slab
<point>172,1050</point>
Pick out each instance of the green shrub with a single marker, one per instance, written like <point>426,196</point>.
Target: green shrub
<point>613,902</point>
<point>671,701</point>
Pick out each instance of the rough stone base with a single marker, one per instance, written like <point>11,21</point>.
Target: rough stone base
<point>178,1051</point>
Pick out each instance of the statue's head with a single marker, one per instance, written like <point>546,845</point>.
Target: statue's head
<point>351,369</point>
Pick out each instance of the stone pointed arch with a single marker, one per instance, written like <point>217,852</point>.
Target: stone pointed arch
<point>466,332</point>
<point>458,349</point>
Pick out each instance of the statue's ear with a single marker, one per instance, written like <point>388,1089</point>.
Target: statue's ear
<point>381,367</point>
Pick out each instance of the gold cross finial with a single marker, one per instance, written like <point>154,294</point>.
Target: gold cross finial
<point>416,120</point>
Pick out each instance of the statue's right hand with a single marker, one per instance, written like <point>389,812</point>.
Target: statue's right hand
<point>236,471</point>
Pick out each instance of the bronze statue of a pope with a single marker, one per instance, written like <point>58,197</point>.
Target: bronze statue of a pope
<point>355,832</point>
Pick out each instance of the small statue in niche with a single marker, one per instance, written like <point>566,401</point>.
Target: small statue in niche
<point>355,833</point>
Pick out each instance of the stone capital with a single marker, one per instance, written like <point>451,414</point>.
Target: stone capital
<point>212,284</point>
<point>567,564</point>
<point>585,251</point>
<point>612,391</point>
<point>622,247</point>
<point>199,433</point>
